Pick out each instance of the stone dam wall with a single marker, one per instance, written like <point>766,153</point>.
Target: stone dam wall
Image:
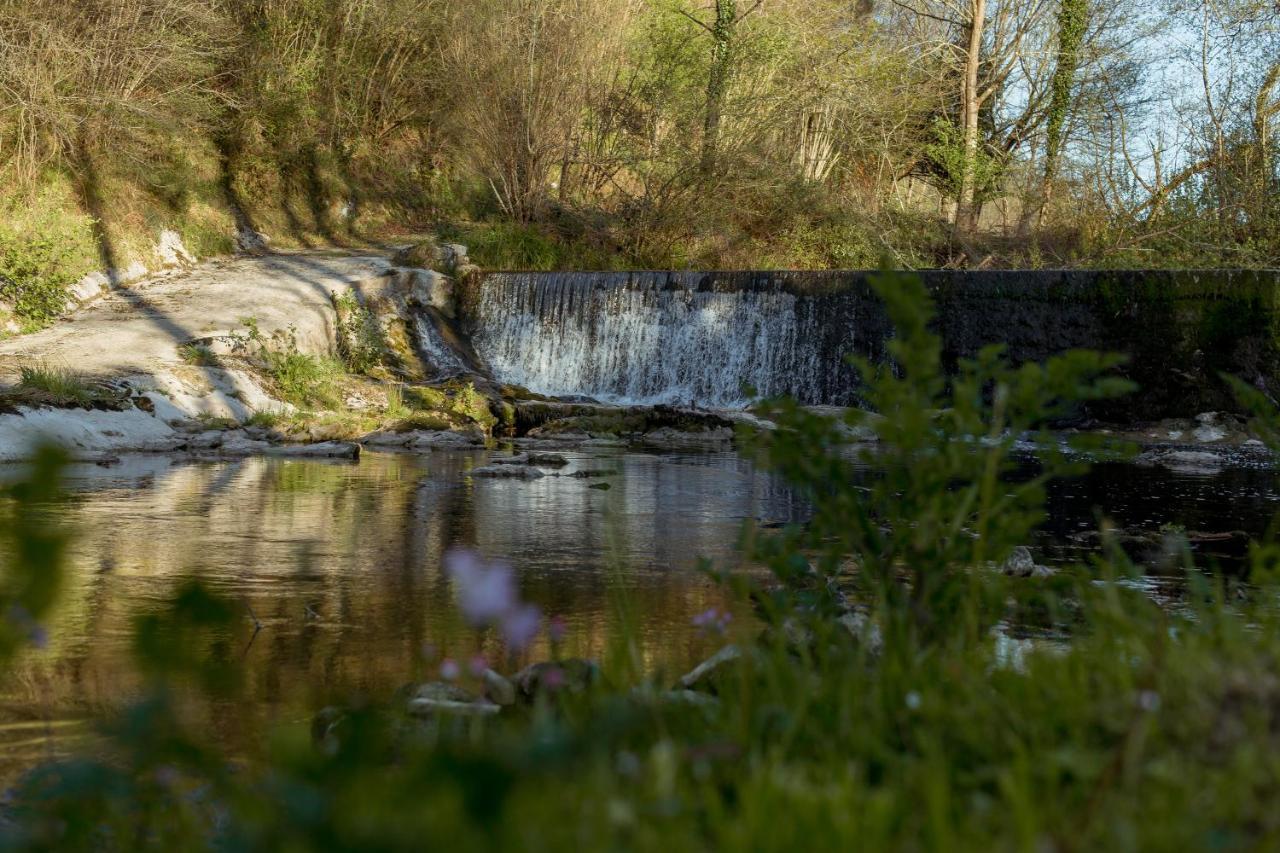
<point>712,337</point>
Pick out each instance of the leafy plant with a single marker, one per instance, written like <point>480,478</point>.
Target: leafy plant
<point>361,341</point>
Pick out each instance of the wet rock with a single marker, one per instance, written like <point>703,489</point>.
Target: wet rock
<point>1020,564</point>
<point>432,439</point>
<point>603,487</point>
<point>517,459</point>
<point>690,697</point>
<point>593,474</point>
<point>321,450</point>
<point>547,460</point>
<point>863,629</point>
<point>574,675</point>
<point>497,688</point>
<point>387,439</point>
<point>508,472</point>
<point>704,675</point>
<point>211,439</point>
<point>1201,462</point>
<point>669,438</point>
<point>437,697</point>
<point>241,445</point>
<point>1209,430</point>
<point>325,726</point>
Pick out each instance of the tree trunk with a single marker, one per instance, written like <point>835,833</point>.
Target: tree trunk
<point>1073,20</point>
<point>970,103</point>
<point>718,83</point>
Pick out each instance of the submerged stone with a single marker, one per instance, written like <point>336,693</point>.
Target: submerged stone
<point>508,472</point>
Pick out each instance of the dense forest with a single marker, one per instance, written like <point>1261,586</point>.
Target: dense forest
<point>655,133</point>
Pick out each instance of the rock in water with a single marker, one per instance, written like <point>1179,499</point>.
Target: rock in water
<point>1020,564</point>
<point>572,674</point>
<point>438,697</point>
<point>547,460</point>
<point>508,472</point>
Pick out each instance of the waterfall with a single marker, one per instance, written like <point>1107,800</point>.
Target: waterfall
<point>665,337</point>
<point>447,361</point>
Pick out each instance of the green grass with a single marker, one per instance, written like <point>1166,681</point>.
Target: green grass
<point>306,380</point>
<point>198,355</point>
<point>43,384</point>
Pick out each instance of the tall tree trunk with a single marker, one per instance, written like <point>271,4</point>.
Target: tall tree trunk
<point>1073,21</point>
<point>970,103</point>
<point>1266,107</point>
<point>722,32</point>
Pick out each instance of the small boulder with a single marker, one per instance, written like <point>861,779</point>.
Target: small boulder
<point>508,472</point>
<point>1201,462</point>
<point>1020,564</point>
<point>517,459</point>
<point>437,697</point>
<point>440,439</point>
<point>387,439</point>
<point>668,438</point>
<point>547,460</point>
<point>320,450</point>
<point>210,439</point>
<point>572,674</point>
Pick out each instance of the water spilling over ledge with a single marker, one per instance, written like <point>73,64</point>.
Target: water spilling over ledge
<point>677,337</point>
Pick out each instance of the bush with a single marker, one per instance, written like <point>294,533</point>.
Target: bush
<point>43,251</point>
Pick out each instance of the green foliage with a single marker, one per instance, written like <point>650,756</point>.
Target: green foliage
<point>198,355</point>
<point>43,252</point>
<point>945,503</point>
<point>42,384</point>
<point>305,380</point>
<point>948,155</point>
<point>437,408</point>
<point>361,341</point>
<point>31,553</point>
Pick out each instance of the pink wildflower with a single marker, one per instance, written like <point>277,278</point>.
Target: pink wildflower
<point>520,626</point>
<point>449,669</point>
<point>713,621</point>
<point>485,592</point>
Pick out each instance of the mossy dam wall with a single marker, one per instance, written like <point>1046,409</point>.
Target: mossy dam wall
<point>704,337</point>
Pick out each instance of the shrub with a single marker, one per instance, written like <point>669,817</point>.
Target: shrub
<point>43,251</point>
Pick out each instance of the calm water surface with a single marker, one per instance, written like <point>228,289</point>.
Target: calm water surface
<point>340,563</point>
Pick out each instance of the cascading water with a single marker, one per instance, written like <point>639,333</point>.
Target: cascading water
<point>666,337</point>
<point>447,361</point>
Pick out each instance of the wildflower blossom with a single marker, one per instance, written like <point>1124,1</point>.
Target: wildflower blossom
<point>520,626</point>
<point>713,621</point>
<point>485,592</point>
<point>487,597</point>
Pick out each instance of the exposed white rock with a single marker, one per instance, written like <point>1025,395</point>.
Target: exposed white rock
<point>171,252</point>
<point>84,432</point>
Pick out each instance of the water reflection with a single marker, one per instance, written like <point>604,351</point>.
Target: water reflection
<point>340,564</point>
